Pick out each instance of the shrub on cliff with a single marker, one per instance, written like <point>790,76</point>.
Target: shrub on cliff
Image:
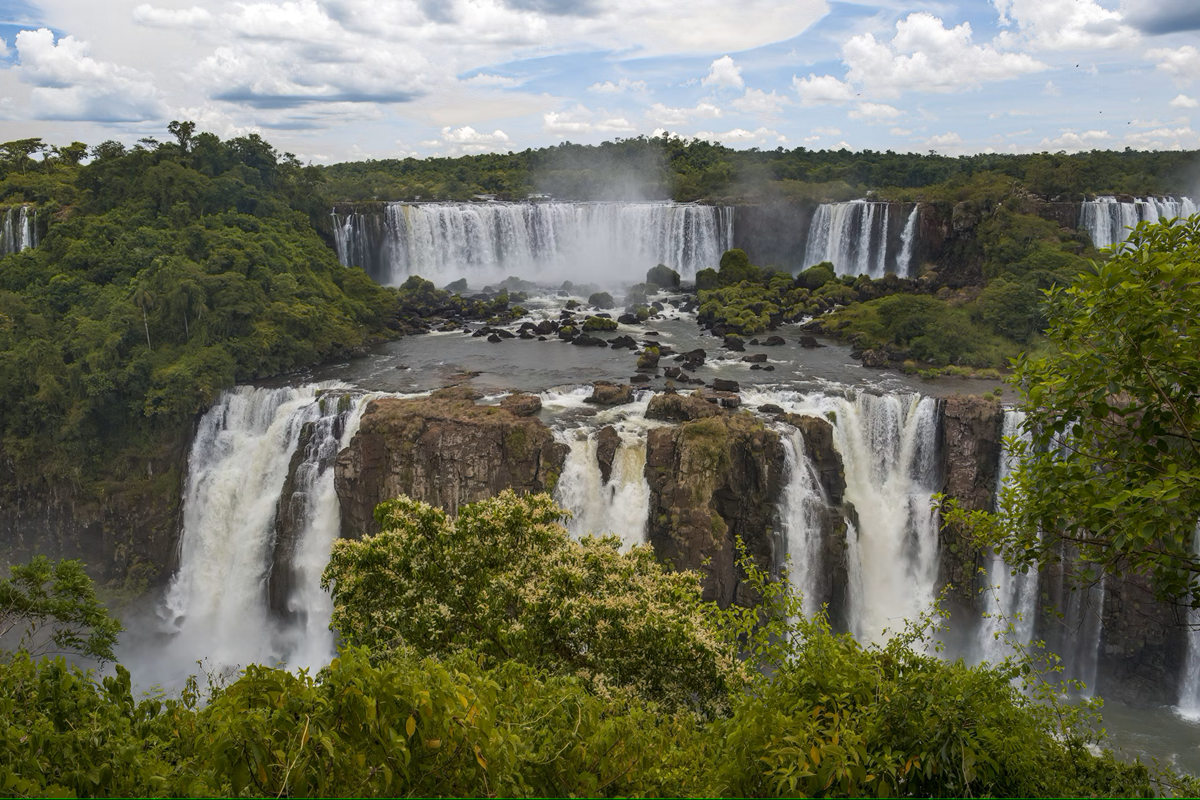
<point>505,579</point>
<point>601,300</point>
<point>816,276</point>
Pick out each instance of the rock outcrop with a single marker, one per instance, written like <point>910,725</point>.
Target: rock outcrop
<point>444,450</point>
<point>972,429</point>
<point>712,480</point>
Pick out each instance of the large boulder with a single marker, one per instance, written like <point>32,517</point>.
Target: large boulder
<point>443,449</point>
<point>610,394</point>
<point>713,480</point>
<point>522,404</point>
<point>680,407</point>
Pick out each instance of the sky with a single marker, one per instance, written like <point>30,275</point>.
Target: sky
<point>338,80</point>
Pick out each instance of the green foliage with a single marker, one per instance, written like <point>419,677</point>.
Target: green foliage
<point>811,712</point>
<point>504,578</point>
<point>601,300</point>
<point>181,271</point>
<point>924,328</point>
<point>707,279</point>
<point>1113,468</point>
<point>599,324</point>
<point>663,277</point>
<point>816,276</point>
<point>53,608</point>
<point>736,267</point>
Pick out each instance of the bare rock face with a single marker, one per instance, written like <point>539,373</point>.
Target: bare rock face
<point>607,442</point>
<point>712,480</point>
<point>1143,655</point>
<point>972,429</point>
<point>444,450</point>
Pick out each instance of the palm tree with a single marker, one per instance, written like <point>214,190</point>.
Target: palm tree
<point>144,298</point>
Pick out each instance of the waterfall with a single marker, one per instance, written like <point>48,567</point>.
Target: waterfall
<point>852,236</point>
<point>20,230</point>
<point>1189,691</point>
<point>1084,623</point>
<point>622,504</point>
<point>245,446</point>
<point>801,515</point>
<point>1011,598</point>
<point>1107,219</point>
<point>486,242</point>
<point>889,450</point>
<point>908,242</point>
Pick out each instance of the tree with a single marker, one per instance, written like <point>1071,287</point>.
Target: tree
<point>1111,473</point>
<point>53,608</point>
<point>505,579</point>
<point>182,131</point>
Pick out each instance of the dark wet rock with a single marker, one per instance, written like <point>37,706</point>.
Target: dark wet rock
<point>769,368</point>
<point>755,358</point>
<point>638,379</point>
<point>723,385</point>
<point>522,405</point>
<point>648,360</point>
<point>587,340</point>
<point>756,366</point>
<point>770,408</point>
<point>735,343</point>
<point>875,359</point>
<point>526,335</point>
<point>628,319</point>
<point>671,372</point>
<point>775,341</point>
<point>610,394</point>
<point>494,339</point>
<point>607,442</point>
<point>810,342</point>
<point>627,342</point>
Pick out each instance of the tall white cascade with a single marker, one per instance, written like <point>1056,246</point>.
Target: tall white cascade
<point>1189,690</point>
<point>216,606</point>
<point>622,504</point>
<point>801,518</point>
<point>1107,219</point>
<point>19,231</point>
<point>888,446</point>
<point>908,243</point>
<point>854,237</point>
<point>485,242</point>
<point>1010,598</point>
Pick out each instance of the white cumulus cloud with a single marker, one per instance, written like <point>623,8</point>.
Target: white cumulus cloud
<point>1183,101</point>
<point>743,136</point>
<point>666,115</point>
<point>1072,141</point>
<point>622,85</point>
<point>756,101</point>
<point>581,119</point>
<point>155,17</point>
<point>1063,25</point>
<point>925,56</point>
<point>875,112</point>
<point>818,89</point>
<point>1183,65</point>
<point>71,85</point>
<point>724,74</point>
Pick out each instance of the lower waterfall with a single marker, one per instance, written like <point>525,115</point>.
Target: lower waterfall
<point>888,446</point>
<point>801,518</point>
<point>216,607</point>
<point>1010,598</point>
<point>620,505</point>
<point>1189,690</point>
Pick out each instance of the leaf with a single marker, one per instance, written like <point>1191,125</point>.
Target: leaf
<point>410,727</point>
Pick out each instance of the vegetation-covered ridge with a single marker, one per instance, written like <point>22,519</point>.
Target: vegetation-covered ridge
<point>512,660</point>
<point>165,274</point>
<point>671,167</point>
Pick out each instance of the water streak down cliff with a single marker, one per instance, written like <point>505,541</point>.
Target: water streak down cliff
<point>19,231</point>
<point>552,241</point>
